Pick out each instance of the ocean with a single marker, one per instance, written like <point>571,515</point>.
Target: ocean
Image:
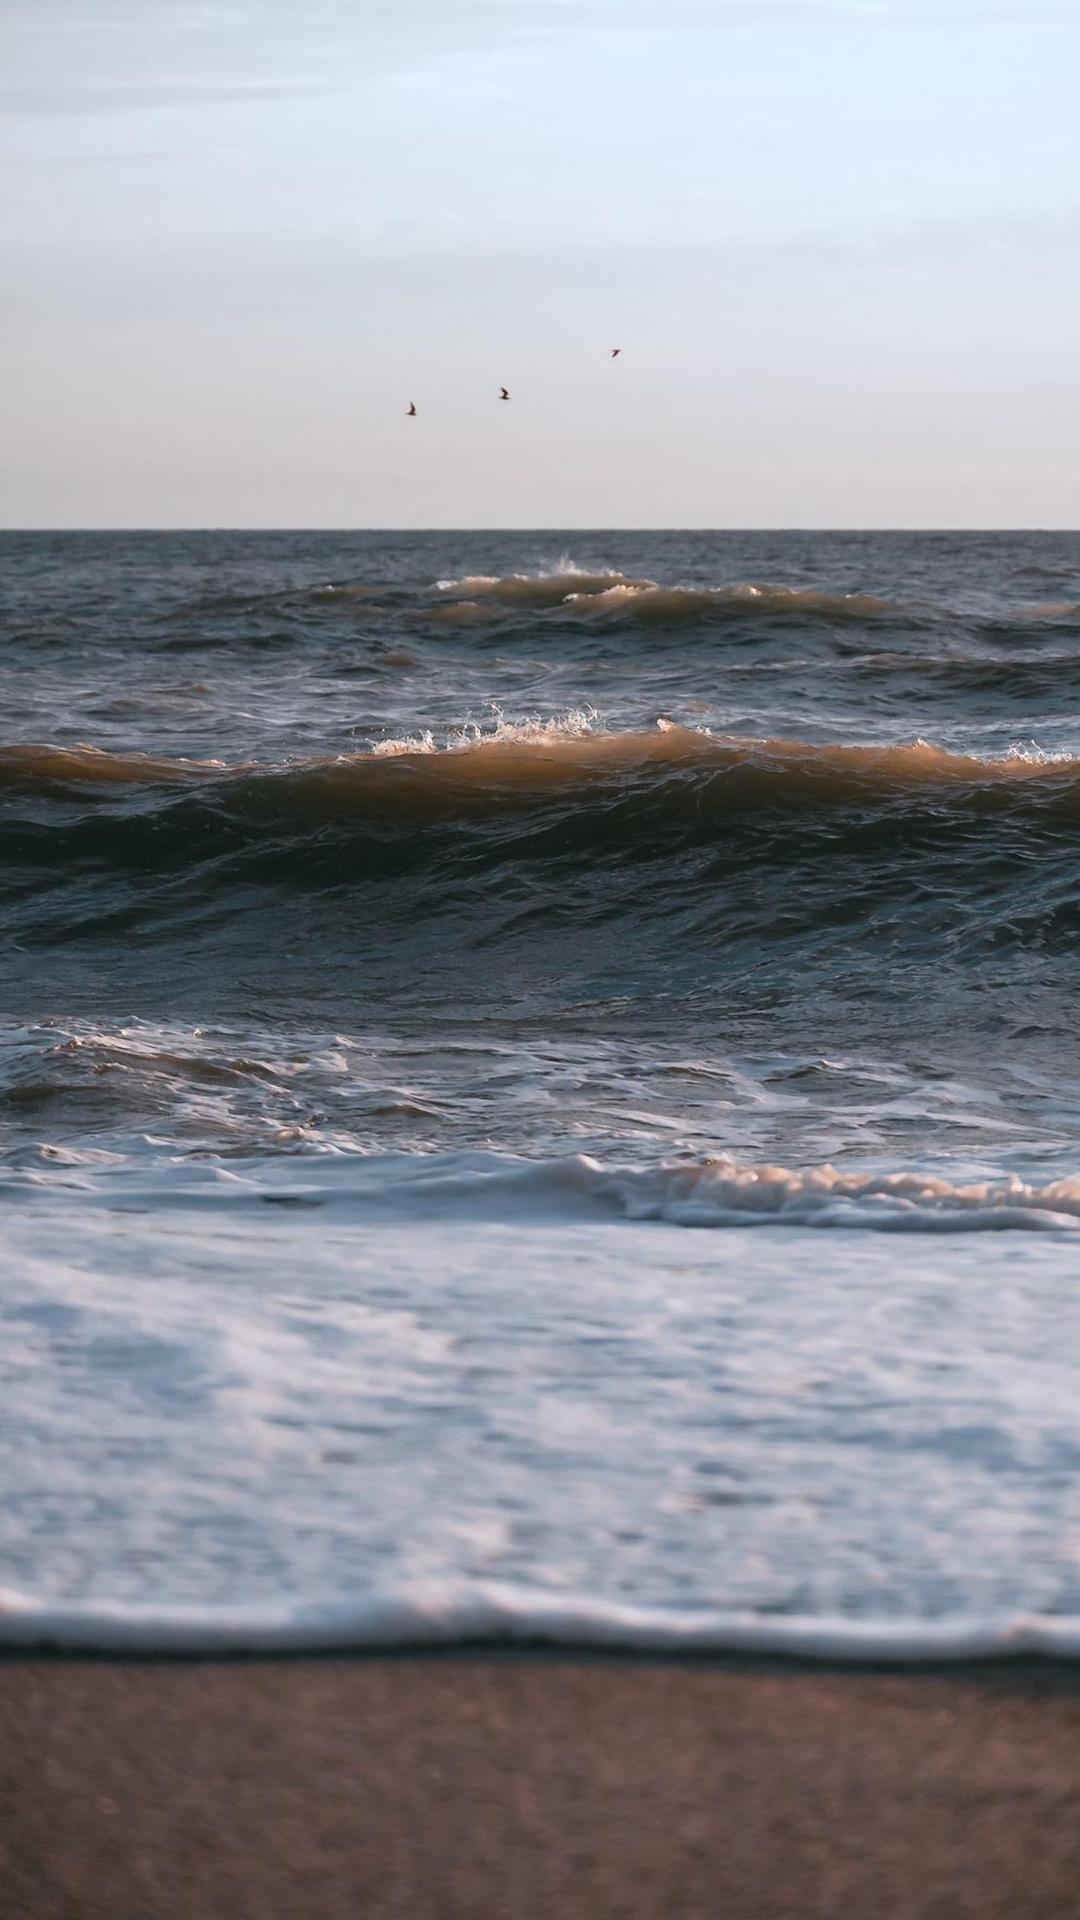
<point>539,1091</point>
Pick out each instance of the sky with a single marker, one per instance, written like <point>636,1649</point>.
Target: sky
<point>838,242</point>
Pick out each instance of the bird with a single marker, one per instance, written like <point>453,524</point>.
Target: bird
<point>504,393</point>
<point>615,352</point>
<point>412,410</point>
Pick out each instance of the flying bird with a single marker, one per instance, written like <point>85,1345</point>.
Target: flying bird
<point>615,352</point>
<point>412,410</point>
<point>504,393</point>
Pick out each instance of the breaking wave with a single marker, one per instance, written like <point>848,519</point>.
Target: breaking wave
<point>716,1192</point>
<point>721,1193</point>
<point>534,756</point>
<point>570,590</point>
<point>501,829</point>
<point>606,594</point>
<point>581,594</point>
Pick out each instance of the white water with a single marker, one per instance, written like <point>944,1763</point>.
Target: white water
<point>714,1192</point>
<point>505,1616</point>
<point>337,1400</point>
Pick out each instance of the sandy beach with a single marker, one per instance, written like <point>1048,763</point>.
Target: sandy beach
<point>520,1786</point>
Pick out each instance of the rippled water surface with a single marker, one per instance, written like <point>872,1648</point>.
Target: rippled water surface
<point>407,939</point>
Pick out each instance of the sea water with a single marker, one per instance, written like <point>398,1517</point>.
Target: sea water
<point>539,1089</point>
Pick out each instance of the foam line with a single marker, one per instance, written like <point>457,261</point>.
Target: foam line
<point>708,1193</point>
<point>504,1616</point>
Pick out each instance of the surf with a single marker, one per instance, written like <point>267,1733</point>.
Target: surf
<point>535,756</point>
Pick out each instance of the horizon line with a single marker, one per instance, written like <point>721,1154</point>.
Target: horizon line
<point>551,528</point>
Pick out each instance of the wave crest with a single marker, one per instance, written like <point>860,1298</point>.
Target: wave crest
<point>721,1193</point>
<point>536,755</point>
<point>639,825</point>
<point>612,595</point>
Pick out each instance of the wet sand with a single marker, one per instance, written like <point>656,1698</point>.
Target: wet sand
<point>471,1786</point>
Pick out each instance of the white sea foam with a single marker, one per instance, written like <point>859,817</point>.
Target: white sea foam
<point>716,1193</point>
<point>722,1193</point>
<point>361,1396</point>
<point>576,724</point>
<point>1029,753</point>
<point>499,1615</point>
<point>564,573</point>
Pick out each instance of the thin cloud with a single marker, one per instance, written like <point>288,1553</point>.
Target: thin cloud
<point>98,97</point>
<point>69,57</point>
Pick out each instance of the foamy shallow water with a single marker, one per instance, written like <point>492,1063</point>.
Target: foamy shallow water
<point>319,1391</point>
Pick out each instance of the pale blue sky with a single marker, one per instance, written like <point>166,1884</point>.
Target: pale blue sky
<point>838,241</point>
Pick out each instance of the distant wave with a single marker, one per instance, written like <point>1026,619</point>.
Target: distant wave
<point>580,592</point>
<point>601,597</point>
<point>618,596</point>
<point>1058,615</point>
<point>496,1615</point>
<point>545,589</point>
<point>574,599</point>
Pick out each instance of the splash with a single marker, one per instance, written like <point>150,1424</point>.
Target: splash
<point>578,724</point>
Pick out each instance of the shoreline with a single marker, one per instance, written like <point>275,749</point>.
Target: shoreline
<point>493,1619</point>
<point>529,1782</point>
<point>1024,1669</point>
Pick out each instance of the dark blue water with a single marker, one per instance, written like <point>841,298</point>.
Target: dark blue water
<point>751,872</point>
